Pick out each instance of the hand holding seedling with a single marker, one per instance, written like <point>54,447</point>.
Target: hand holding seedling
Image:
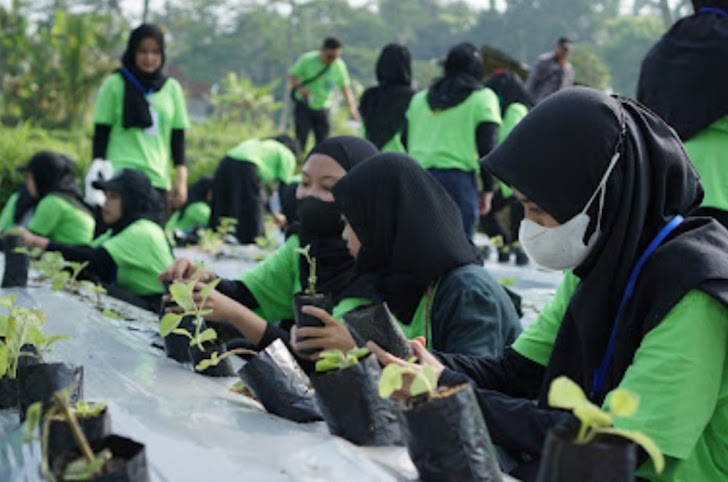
<point>30,240</point>
<point>334,335</point>
<point>183,268</point>
<point>422,356</point>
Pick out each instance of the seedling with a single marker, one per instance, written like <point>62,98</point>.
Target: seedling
<point>53,267</point>
<point>183,295</point>
<point>267,242</point>
<point>306,253</point>
<point>212,240</point>
<point>338,360</point>
<point>19,328</point>
<point>423,380</point>
<point>566,394</point>
<point>216,358</point>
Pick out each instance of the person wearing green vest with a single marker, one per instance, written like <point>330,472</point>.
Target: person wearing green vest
<point>60,213</point>
<point>18,209</point>
<point>314,77</point>
<point>383,107</point>
<point>237,182</point>
<point>195,213</point>
<point>643,304</point>
<point>264,295</point>
<point>450,126</point>
<point>683,79</point>
<point>515,103</point>
<point>141,116</point>
<point>128,257</point>
<point>404,231</point>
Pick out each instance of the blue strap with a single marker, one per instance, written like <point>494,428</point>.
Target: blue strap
<point>601,373</point>
<point>130,77</point>
<point>713,10</point>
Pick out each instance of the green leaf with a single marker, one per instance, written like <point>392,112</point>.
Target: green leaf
<point>80,469</point>
<point>59,281</point>
<point>3,325</point>
<point>207,335</point>
<point>205,292</point>
<point>7,301</point>
<point>643,441</point>
<point>326,365</point>
<point>35,336</point>
<point>623,403</point>
<point>170,321</point>
<point>566,394</point>
<point>182,294</point>
<point>359,353</point>
<point>32,420</point>
<point>3,359</point>
<point>592,416</point>
<point>391,380</point>
<point>84,409</point>
<point>424,381</point>
<point>112,314</point>
<point>183,332</point>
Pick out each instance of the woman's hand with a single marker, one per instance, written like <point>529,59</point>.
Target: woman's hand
<point>178,195</point>
<point>423,356</point>
<point>334,335</point>
<point>31,240</point>
<point>223,308</point>
<point>183,268</point>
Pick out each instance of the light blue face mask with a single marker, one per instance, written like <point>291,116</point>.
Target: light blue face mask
<point>562,247</point>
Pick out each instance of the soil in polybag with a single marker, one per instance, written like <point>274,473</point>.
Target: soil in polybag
<point>61,440</point>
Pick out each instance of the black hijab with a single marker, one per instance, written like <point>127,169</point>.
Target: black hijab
<point>509,89</point>
<point>558,165</point>
<point>334,264</point>
<point>410,229</point>
<point>684,77</point>
<point>53,174</point>
<point>463,75</point>
<point>136,108</point>
<point>383,107</point>
<point>138,197</point>
<point>198,192</point>
<point>23,205</point>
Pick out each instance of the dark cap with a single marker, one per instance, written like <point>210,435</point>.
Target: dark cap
<point>124,181</point>
<point>565,42</point>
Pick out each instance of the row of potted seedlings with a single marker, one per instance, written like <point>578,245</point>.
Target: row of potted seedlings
<point>442,427</point>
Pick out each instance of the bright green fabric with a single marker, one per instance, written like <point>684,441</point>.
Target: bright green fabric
<point>132,148</point>
<point>708,151</point>
<point>513,115</point>
<point>537,340</point>
<point>446,139</point>
<point>680,372</point>
<point>421,324</point>
<point>393,145</point>
<point>61,221</point>
<point>101,239</point>
<point>273,160</point>
<point>6,218</point>
<point>141,252</point>
<point>322,89</point>
<point>275,280</point>
<point>196,214</point>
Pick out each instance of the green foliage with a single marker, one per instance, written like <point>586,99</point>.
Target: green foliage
<point>566,394</point>
<point>82,469</point>
<point>306,253</point>
<point>84,409</point>
<point>216,358</point>
<point>423,379</point>
<point>62,274</point>
<point>238,100</point>
<point>212,240</point>
<point>590,69</point>
<point>338,360</point>
<point>21,326</point>
<point>183,295</point>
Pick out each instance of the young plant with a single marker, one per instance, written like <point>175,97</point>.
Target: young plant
<point>183,295</point>
<point>212,240</point>
<point>267,242</point>
<point>338,360</point>
<point>424,380</point>
<point>63,274</point>
<point>215,358</point>
<point>566,394</point>
<point>306,253</point>
<point>19,328</point>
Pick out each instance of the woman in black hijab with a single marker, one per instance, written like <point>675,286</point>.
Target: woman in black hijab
<point>269,287</point>
<point>451,125</point>
<point>615,207</point>
<point>684,79</point>
<point>141,117</point>
<point>383,107</point>
<point>412,243</point>
<point>128,257</point>
<point>60,213</point>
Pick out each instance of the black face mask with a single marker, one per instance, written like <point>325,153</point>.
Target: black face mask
<point>320,217</point>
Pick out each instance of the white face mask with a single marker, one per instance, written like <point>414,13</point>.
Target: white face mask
<point>563,247</point>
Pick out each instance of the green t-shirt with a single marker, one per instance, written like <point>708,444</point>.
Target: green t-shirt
<point>141,252</point>
<point>273,160</point>
<point>196,214</point>
<point>393,145</point>
<point>446,139</point>
<point>322,89</point>
<point>708,151</point>
<point>680,372</point>
<point>513,115</point>
<point>137,148</point>
<point>275,280</point>
<point>7,217</point>
<point>61,221</point>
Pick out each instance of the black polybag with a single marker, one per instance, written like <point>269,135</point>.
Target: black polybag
<point>39,382</point>
<point>376,323</point>
<point>132,452</point>
<point>16,264</point>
